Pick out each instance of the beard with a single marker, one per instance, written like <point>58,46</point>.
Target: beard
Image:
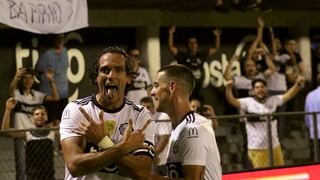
<point>261,99</point>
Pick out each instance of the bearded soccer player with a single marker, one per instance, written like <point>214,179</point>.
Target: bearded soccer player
<point>193,152</point>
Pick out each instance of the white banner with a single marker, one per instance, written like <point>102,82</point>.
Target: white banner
<point>44,16</point>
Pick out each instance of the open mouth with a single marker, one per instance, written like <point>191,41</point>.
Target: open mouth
<point>111,89</point>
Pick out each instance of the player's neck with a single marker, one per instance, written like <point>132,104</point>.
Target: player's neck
<point>179,110</point>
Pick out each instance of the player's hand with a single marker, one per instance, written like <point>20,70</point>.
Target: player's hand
<point>92,130</point>
<point>133,140</point>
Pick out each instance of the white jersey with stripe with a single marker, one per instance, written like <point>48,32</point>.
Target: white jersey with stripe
<point>36,136</point>
<point>116,122</point>
<point>257,130</point>
<point>193,142</point>
<point>139,87</point>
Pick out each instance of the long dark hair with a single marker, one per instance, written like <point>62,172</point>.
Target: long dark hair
<point>94,69</point>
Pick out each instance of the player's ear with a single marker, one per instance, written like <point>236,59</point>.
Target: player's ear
<point>172,87</point>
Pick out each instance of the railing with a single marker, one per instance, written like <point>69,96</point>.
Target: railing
<point>229,139</point>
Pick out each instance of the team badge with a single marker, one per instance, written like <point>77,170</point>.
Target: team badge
<point>122,128</point>
<point>110,125</point>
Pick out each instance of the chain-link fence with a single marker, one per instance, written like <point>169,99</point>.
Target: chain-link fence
<point>43,159</point>
<point>259,141</point>
<point>32,154</point>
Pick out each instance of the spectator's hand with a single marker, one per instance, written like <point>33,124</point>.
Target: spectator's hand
<point>234,58</point>
<point>209,112</point>
<point>217,31</point>
<point>300,81</point>
<point>133,140</point>
<point>11,103</point>
<point>229,83</point>
<point>50,74</point>
<point>271,30</point>
<point>93,131</point>
<point>260,21</point>
<point>172,29</point>
<point>19,73</point>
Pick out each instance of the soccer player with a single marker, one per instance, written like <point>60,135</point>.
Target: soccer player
<point>193,152</point>
<point>123,148</point>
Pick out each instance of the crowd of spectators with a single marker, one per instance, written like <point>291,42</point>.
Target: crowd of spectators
<point>269,79</point>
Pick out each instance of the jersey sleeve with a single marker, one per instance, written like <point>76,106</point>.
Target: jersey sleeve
<point>277,100</point>
<point>244,103</point>
<point>70,120</point>
<point>194,145</point>
<point>143,117</point>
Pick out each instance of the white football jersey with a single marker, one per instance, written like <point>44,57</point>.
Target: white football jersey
<point>256,130</point>
<point>25,106</point>
<point>116,122</point>
<point>139,87</point>
<point>193,142</point>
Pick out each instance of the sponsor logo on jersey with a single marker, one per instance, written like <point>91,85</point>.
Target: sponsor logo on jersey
<point>66,114</point>
<point>193,133</point>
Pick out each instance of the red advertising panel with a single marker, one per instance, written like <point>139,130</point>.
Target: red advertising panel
<point>310,172</point>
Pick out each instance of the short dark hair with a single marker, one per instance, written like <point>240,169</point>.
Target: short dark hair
<point>39,107</point>
<point>318,79</point>
<point>181,73</point>
<point>258,80</point>
<point>94,69</point>
<point>20,84</point>
<point>146,99</point>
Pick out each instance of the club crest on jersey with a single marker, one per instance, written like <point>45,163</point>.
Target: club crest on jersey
<point>122,128</point>
<point>110,125</point>
<point>193,133</point>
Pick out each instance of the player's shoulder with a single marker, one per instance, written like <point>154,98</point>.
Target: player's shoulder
<point>196,127</point>
<point>129,105</point>
<point>83,101</point>
<point>194,119</point>
<point>80,102</point>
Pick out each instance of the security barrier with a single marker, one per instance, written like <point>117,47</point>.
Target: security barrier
<point>45,161</point>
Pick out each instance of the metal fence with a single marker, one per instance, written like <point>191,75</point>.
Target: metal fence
<point>33,159</point>
<point>230,135</point>
<point>297,147</point>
